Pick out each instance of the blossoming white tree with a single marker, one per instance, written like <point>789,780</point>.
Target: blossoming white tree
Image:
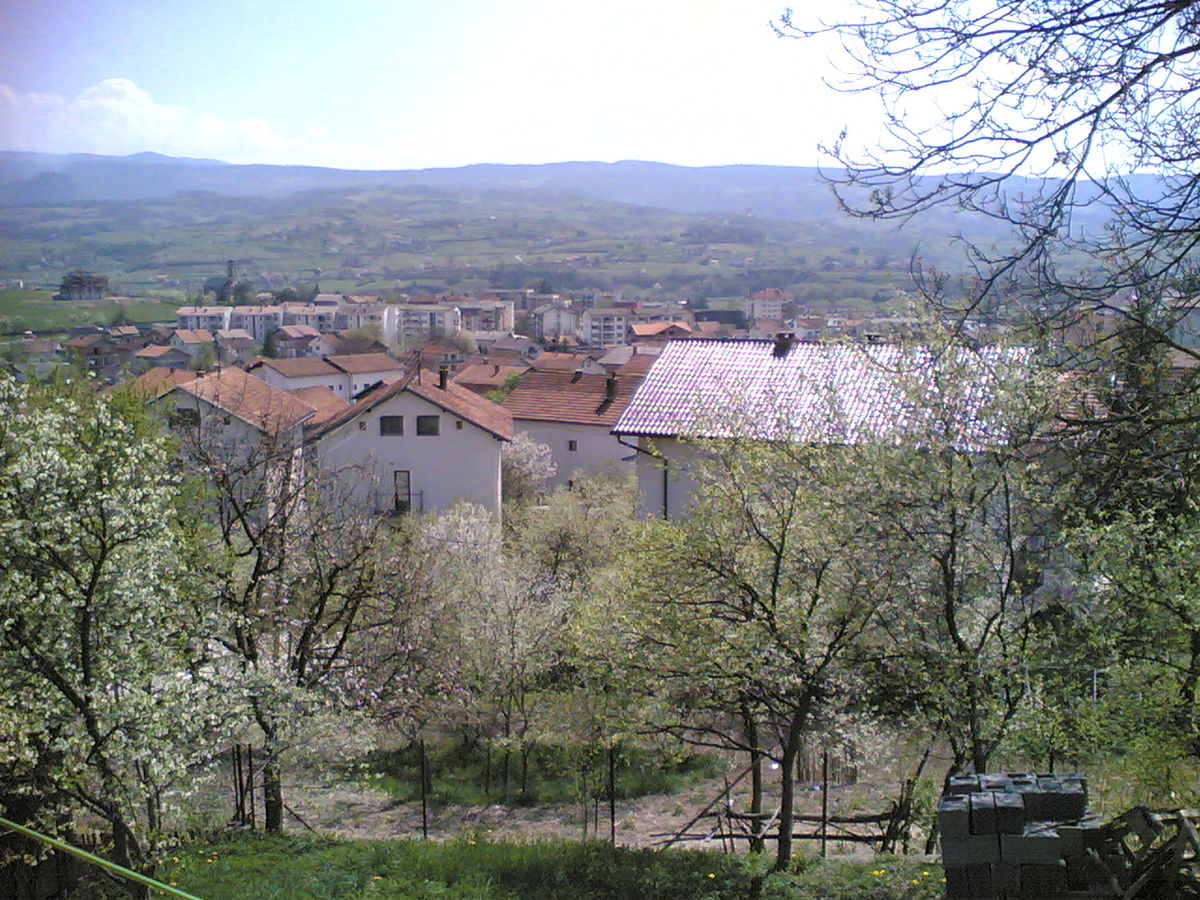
<point>104,706</point>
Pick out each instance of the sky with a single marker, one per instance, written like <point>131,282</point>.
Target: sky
<point>402,84</point>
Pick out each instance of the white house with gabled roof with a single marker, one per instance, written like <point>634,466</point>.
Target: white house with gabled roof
<point>418,443</point>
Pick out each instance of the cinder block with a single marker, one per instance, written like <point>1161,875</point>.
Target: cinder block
<point>972,850</point>
<point>981,883</point>
<point>1061,800</point>
<point>954,818</point>
<point>1031,847</point>
<point>1006,878</point>
<point>983,813</point>
<point>1079,838</point>
<point>1010,813</point>
<point>1032,798</point>
<point>958,881</point>
<point>960,785</point>
<point>1039,880</point>
<point>995,782</point>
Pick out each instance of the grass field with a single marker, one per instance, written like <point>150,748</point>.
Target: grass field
<point>256,867</point>
<point>34,310</point>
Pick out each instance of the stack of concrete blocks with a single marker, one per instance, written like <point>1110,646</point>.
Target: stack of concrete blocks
<point>1009,836</point>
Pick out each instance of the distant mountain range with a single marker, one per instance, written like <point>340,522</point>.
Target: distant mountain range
<point>778,192</point>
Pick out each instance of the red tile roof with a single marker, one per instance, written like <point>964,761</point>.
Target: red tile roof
<point>649,329</point>
<point>361,363</point>
<point>194,335</point>
<point>251,400</point>
<point>455,399</point>
<point>639,364</point>
<point>482,377</point>
<point>154,351</point>
<point>299,367</point>
<point>324,401</point>
<point>153,383</point>
<point>570,398</point>
<point>559,362</point>
<point>295,333</point>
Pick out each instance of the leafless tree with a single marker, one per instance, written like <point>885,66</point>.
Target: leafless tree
<point>1074,122</point>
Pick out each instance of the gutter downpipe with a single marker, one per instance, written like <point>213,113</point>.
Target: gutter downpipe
<point>665,495</point>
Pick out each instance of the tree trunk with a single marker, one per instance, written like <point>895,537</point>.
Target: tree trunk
<point>123,852</point>
<point>272,795</point>
<point>787,792</point>
<point>757,843</point>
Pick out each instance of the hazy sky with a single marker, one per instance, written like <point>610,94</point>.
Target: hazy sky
<point>417,83</point>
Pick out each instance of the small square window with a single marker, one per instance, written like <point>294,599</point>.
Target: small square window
<point>458,424</point>
<point>572,446</point>
<point>394,425</point>
<point>429,425</point>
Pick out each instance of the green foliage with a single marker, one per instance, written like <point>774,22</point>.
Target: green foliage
<point>881,878</point>
<point>506,388</point>
<point>104,694</point>
<point>471,775</point>
<point>466,869</point>
<point>254,867</point>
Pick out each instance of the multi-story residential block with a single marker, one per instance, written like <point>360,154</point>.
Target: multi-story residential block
<point>487,315</point>
<point>407,323</point>
<point>766,304</point>
<point>320,317</point>
<point>206,318</point>
<point>604,326</point>
<point>361,314</point>
<point>257,321</point>
<point>552,321</point>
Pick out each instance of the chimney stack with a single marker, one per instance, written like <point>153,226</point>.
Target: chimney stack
<point>610,388</point>
<point>783,344</point>
<point>443,375</point>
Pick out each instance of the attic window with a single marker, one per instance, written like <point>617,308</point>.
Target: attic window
<point>395,425</point>
<point>429,426</point>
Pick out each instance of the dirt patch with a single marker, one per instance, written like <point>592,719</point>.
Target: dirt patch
<point>362,813</point>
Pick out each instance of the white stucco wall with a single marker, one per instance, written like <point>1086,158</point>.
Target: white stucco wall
<point>338,382</point>
<point>458,463</point>
<point>680,484</point>
<point>594,445</point>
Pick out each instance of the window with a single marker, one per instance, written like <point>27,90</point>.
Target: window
<point>572,446</point>
<point>429,425</point>
<point>394,425</point>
